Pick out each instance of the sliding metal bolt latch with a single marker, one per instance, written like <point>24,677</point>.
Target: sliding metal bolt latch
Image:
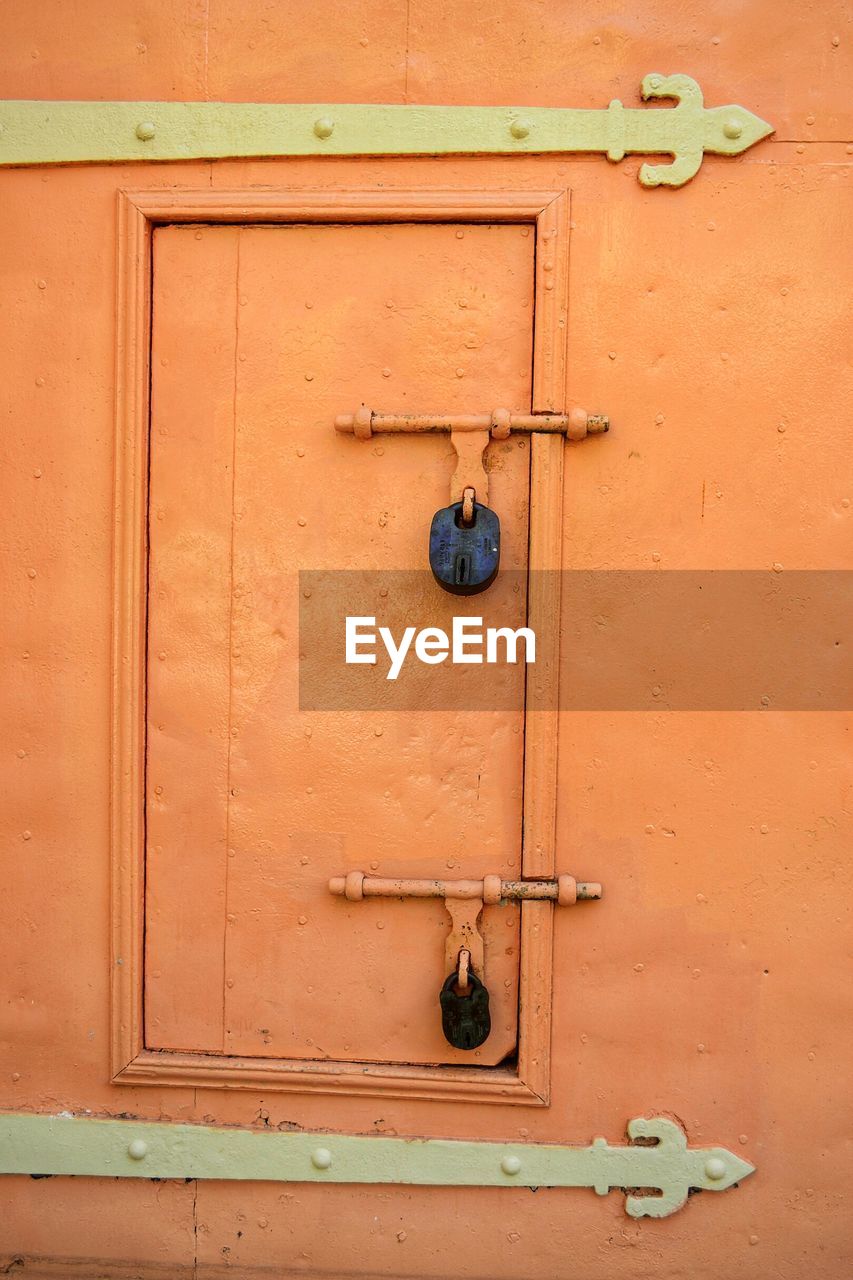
<point>564,890</point>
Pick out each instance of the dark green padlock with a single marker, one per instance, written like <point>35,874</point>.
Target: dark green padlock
<point>465,1020</point>
<point>464,558</point>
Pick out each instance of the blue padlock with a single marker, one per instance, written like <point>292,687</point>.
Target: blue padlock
<point>464,558</point>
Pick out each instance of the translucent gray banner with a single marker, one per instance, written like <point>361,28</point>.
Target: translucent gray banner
<point>655,640</point>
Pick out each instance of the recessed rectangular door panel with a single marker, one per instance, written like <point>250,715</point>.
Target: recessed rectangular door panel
<point>261,336</point>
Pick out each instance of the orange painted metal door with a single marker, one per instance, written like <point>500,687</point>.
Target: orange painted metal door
<point>261,336</point>
<point>709,323</point>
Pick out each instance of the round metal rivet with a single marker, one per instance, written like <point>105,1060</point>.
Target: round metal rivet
<point>733,129</point>
<point>511,1164</point>
<point>519,128</point>
<point>324,127</point>
<point>715,1168</point>
<point>321,1158</point>
<point>145,130</point>
<point>138,1149</point>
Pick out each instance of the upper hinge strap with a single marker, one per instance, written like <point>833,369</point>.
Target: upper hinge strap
<point>39,133</point>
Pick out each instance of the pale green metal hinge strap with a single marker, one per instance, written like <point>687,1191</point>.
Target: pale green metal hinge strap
<point>36,133</point>
<point>41,1144</point>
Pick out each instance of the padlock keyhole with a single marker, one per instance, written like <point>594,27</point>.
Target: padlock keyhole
<point>463,570</point>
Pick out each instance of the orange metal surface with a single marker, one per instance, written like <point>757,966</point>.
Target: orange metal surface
<point>709,324</point>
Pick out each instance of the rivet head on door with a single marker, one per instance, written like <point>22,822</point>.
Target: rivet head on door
<point>321,1158</point>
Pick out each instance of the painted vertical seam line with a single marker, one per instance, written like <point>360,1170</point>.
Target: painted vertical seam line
<point>228,738</point>
<point>148,269</point>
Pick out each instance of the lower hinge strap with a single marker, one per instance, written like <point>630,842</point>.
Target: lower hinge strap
<point>665,1171</point>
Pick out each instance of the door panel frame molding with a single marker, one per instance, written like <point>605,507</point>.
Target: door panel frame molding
<point>139,212</point>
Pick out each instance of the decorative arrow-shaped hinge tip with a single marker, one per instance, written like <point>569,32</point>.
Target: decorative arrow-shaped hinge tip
<point>722,1169</point>
<point>730,130</point>
<point>677,1169</point>
<point>694,129</point>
